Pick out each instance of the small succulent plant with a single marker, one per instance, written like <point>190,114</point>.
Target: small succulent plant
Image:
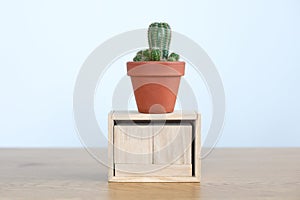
<point>159,38</point>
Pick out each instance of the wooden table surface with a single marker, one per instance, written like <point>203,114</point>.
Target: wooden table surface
<point>73,174</point>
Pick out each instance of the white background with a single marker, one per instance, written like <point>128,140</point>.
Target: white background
<point>254,44</point>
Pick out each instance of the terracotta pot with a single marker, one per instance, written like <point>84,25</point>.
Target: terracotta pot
<point>155,84</point>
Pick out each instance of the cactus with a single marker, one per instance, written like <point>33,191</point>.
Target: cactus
<point>159,37</point>
<point>173,57</point>
<point>155,55</point>
<point>143,55</point>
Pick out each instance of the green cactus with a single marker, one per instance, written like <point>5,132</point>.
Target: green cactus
<point>155,55</point>
<point>173,57</point>
<point>143,55</point>
<point>146,54</point>
<point>137,58</point>
<point>159,37</point>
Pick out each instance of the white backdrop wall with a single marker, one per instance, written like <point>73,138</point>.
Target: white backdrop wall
<point>254,44</point>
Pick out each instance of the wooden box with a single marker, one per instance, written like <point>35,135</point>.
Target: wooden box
<point>154,147</point>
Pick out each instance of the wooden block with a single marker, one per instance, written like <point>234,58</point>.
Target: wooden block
<point>172,144</point>
<point>146,170</point>
<point>133,144</point>
<point>154,147</point>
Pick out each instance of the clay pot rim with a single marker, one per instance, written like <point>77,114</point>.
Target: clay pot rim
<point>159,69</point>
<point>157,62</point>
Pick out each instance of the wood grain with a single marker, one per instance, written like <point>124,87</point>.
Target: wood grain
<point>133,144</point>
<point>153,170</point>
<point>172,144</point>
<point>72,174</point>
<point>197,140</point>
